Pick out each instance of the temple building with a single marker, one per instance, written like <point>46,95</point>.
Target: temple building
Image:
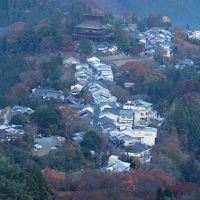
<point>93,27</point>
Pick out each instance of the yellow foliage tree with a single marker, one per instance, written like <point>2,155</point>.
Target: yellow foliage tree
<point>166,19</point>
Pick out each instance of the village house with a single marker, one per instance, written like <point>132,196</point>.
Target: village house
<point>103,47</point>
<point>116,165</point>
<point>21,110</point>
<point>93,60</point>
<point>47,94</point>
<point>184,63</point>
<point>87,113</point>
<point>113,105</point>
<point>78,137</point>
<point>88,108</point>
<point>93,27</point>
<point>142,111</point>
<point>83,75</point>
<point>194,35</point>
<point>96,92</point>
<point>82,65</point>
<point>70,61</point>
<point>106,124</point>
<point>10,132</point>
<point>106,74</point>
<point>76,88</point>
<point>110,113</point>
<point>126,117</point>
<point>140,151</point>
<point>88,117</point>
<point>131,140</point>
<point>145,135</point>
<point>149,134</point>
<point>129,84</point>
<point>112,133</point>
<point>113,49</point>
<point>167,51</point>
<point>101,99</point>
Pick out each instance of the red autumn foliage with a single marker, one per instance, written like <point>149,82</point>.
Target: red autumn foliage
<point>153,21</point>
<point>53,175</point>
<point>104,185</point>
<point>99,184</point>
<point>155,150</point>
<point>184,188</point>
<point>18,90</point>
<point>41,24</point>
<point>69,116</point>
<point>17,27</point>
<point>135,70</point>
<point>186,86</point>
<point>137,50</point>
<point>192,97</point>
<point>68,43</point>
<point>148,183</point>
<point>31,77</point>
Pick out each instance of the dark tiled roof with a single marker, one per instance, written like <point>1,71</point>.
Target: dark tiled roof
<point>137,148</point>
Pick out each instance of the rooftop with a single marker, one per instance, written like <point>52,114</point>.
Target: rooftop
<point>126,113</point>
<point>137,148</point>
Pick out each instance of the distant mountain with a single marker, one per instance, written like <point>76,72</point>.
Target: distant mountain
<point>181,12</point>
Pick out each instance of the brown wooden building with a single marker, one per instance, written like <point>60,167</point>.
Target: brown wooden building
<point>92,27</point>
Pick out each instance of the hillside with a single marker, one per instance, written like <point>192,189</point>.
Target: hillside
<point>182,12</point>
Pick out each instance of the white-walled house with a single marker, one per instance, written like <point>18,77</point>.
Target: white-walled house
<point>116,165</point>
<point>81,66</point>
<point>105,72</point>
<point>76,89</point>
<point>93,60</point>
<point>149,134</point>
<point>137,104</point>
<point>146,135</point>
<point>70,61</point>
<point>194,35</point>
<point>167,51</point>
<point>142,111</point>
<point>101,92</point>
<point>126,117</point>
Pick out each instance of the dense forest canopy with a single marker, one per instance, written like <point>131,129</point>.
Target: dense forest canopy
<point>36,42</point>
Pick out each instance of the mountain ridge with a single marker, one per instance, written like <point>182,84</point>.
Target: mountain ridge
<point>181,12</point>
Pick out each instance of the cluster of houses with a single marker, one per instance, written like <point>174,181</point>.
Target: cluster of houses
<point>127,126</point>
<point>184,63</point>
<point>157,39</point>
<point>10,132</point>
<point>194,35</point>
<point>86,73</point>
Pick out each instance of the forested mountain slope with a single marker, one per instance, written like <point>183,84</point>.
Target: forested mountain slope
<point>182,12</point>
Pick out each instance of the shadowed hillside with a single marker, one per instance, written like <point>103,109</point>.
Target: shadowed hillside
<point>182,12</point>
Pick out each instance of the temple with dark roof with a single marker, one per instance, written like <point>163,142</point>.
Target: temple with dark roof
<point>93,27</point>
